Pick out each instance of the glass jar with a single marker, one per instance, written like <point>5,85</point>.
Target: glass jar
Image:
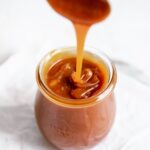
<point>75,124</point>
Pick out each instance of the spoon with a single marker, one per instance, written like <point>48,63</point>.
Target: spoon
<point>85,12</point>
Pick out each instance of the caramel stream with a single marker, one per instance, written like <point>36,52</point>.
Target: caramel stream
<point>81,32</point>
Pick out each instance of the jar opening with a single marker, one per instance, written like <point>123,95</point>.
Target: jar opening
<point>52,57</point>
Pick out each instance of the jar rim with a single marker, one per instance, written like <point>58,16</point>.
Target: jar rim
<point>78,103</point>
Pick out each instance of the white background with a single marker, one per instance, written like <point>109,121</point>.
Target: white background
<point>29,28</point>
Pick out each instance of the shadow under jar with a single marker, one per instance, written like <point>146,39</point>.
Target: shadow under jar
<point>74,124</point>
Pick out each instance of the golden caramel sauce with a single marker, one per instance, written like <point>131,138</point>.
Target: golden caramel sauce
<point>60,79</point>
<point>76,127</point>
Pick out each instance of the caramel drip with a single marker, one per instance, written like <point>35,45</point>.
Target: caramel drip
<point>81,32</point>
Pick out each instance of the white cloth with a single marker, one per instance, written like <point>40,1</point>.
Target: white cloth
<point>18,128</point>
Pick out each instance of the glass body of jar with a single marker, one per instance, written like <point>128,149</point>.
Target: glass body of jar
<point>75,124</point>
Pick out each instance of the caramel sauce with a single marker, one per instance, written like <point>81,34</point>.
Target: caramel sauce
<point>60,79</point>
<point>83,14</point>
<point>76,127</point>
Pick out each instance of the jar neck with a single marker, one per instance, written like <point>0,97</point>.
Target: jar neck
<point>50,58</point>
